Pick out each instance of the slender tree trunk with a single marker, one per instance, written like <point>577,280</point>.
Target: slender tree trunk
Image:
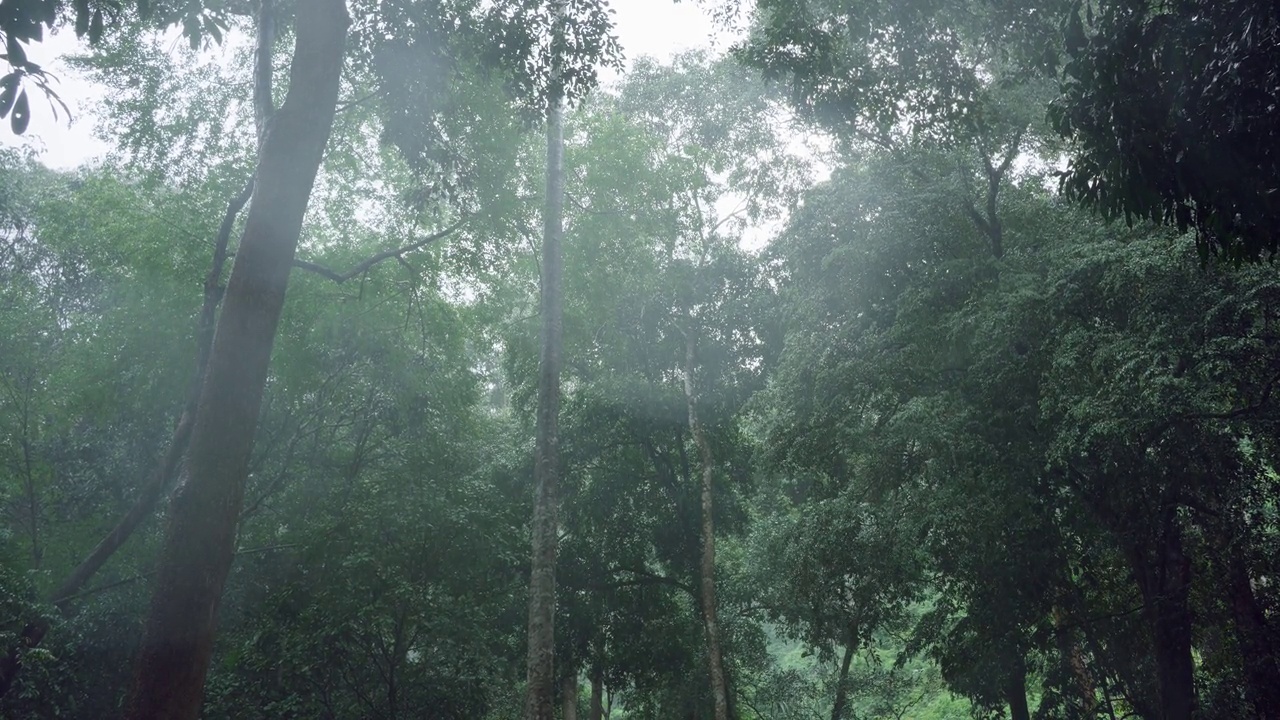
<point>177,640</point>
<point>842,682</point>
<point>263,68</point>
<point>1086,703</point>
<point>1164,579</point>
<point>569,696</point>
<point>719,684</point>
<point>1262,670</point>
<point>1173,637</point>
<point>597,695</point>
<point>546,469</point>
<point>1016,690</point>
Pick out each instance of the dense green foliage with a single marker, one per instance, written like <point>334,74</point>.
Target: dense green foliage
<point>1171,105</point>
<point>978,451</point>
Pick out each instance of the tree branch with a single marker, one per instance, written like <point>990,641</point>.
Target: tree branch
<point>645,577</point>
<point>374,260</point>
<point>1262,402</point>
<point>347,105</point>
<point>149,573</point>
<point>108,586</point>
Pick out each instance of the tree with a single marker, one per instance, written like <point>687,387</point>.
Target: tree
<point>707,569</point>
<point>539,704</point>
<point>70,251</point>
<point>25,21</point>
<point>1168,110</point>
<point>1165,106</point>
<point>700,278</point>
<point>947,434</point>
<point>178,641</point>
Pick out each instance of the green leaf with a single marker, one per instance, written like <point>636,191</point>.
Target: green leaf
<point>82,17</point>
<point>1075,39</point>
<point>17,56</point>
<point>8,92</point>
<point>96,26</point>
<point>21,114</point>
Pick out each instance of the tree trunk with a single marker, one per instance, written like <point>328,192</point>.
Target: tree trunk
<point>719,684</point>
<point>597,696</point>
<point>1016,690</point>
<point>167,467</point>
<point>1164,579</point>
<point>569,696</point>
<point>842,682</point>
<point>178,636</point>
<point>1135,687</point>
<point>546,469</point>
<point>1262,670</point>
<point>1085,703</point>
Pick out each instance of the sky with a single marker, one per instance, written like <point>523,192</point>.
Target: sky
<point>658,28</point>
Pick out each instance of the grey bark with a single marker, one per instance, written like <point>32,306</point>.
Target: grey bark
<point>597,696</point>
<point>569,696</point>
<point>711,628</point>
<point>177,640</point>
<point>540,679</point>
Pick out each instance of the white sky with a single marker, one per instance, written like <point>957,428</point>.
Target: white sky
<point>660,28</point>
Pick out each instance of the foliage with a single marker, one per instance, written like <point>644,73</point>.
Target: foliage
<point>1169,106</point>
<point>978,452</point>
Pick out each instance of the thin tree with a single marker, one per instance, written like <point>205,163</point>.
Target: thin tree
<point>842,681</point>
<point>542,580</point>
<point>707,587</point>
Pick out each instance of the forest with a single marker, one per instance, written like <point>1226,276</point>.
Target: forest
<point>898,359</point>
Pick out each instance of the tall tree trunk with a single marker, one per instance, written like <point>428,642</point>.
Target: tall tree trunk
<point>177,640</point>
<point>167,467</point>
<point>719,684</point>
<point>569,696</point>
<point>546,468</point>
<point>1016,689</point>
<point>1164,579</point>
<point>597,695</point>
<point>1134,686</point>
<point>1173,635</point>
<point>842,682</point>
<point>1085,703</point>
<point>1262,669</point>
